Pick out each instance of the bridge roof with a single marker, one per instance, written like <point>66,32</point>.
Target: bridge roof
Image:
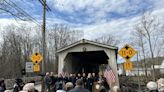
<point>84,41</point>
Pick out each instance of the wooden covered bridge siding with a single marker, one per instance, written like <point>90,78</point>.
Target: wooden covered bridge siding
<point>87,46</point>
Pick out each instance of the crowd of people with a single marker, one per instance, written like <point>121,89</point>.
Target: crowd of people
<point>79,83</point>
<point>68,81</point>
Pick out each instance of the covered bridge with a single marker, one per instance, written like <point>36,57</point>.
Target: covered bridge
<point>88,57</point>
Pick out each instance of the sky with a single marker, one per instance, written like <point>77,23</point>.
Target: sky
<point>95,17</point>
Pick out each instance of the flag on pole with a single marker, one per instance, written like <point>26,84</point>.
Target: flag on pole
<point>109,75</point>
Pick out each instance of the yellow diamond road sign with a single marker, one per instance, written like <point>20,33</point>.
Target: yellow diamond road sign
<point>128,65</point>
<point>36,58</point>
<point>127,52</point>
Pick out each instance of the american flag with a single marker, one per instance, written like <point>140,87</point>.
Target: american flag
<point>109,75</point>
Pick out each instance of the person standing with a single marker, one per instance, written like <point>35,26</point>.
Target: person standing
<point>89,82</point>
<point>94,77</point>
<point>2,86</point>
<point>73,78</point>
<point>53,79</point>
<point>69,78</point>
<point>48,81</point>
<point>78,76</point>
<point>84,80</point>
<point>79,87</point>
<point>60,82</point>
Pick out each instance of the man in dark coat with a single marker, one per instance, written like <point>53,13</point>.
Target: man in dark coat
<point>89,82</point>
<point>84,80</point>
<point>94,77</point>
<point>79,87</point>
<point>73,78</point>
<point>78,76</point>
<point>48,81</point>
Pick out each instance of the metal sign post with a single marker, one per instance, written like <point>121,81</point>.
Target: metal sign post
<point>139,86</point>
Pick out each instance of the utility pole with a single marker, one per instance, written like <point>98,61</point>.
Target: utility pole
<point>43,2</point>
<point>45,8</point>
<point>43,37</point>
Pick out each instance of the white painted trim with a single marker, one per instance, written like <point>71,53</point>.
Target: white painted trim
<point>84,41</point>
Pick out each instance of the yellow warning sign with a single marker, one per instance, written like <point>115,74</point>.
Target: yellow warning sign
<point>36,58</point>
<point>36,68</point>
<point>127,52</point>
<point>128,65</point>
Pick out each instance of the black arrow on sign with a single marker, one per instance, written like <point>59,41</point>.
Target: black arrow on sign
<point>127,57</point>
<point>36,54</point>
<point>126,47</point>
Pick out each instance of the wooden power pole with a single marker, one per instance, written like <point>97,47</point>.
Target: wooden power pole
<point>45,8</point>
<point>43,2</point>
<point>43,37</point>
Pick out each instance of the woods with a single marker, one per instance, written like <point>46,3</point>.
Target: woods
<point>20,42</point>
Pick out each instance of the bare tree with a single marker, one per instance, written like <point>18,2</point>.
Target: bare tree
<point>139,43</point>
<point>11,56</point>
<point>17,46</point>
<point>107,39</point>
<point>60,36</point>
<point>150,29</point>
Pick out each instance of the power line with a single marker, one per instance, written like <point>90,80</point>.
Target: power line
<point>43,2</point>
<point>26,14</point>
<point>10,7</point>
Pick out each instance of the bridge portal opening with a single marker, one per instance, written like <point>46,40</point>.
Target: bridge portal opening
<point>85,62</point>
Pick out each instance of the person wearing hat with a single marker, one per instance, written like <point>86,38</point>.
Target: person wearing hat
<point>152,86</point>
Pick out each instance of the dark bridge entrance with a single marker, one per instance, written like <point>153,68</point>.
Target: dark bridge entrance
<point>87,62</point>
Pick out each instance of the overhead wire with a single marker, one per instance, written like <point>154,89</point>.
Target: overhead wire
<point>23,15</point>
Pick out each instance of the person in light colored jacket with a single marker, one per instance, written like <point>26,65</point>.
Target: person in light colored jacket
<point>160,83</point>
